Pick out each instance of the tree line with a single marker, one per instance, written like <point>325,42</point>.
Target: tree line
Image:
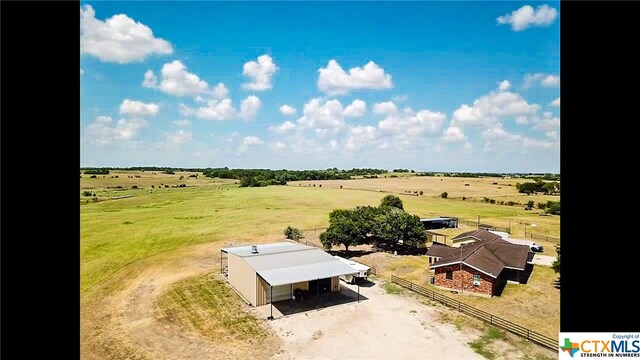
<point>265,177</point>
<point>539,186</point>
<point>384,226</point>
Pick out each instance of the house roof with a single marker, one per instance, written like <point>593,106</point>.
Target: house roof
<point>286,263</point>
<point>440,250</point>
<point>479,234</point>
<point>489,256</point>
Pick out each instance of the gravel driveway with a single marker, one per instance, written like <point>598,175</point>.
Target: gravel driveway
<point>384,326</point>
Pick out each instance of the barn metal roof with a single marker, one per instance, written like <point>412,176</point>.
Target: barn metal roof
<point>286,263</point>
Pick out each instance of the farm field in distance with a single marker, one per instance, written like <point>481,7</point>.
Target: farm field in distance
<point>155,227</point>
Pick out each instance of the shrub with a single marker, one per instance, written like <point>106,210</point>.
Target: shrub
<point>464,198</point>
<point>444,195</point>
<point>511,203</point>
<point>87,193</point>
<point>181,177</point>
<point>392,201</point>
<point>493,201</point>
<point>93,176</point>
<point>421,192</point>
<point>153,186</point>
<point>293,233</point>
<point>540,206</point>
<point>134,187</point>
<point>170,172</point>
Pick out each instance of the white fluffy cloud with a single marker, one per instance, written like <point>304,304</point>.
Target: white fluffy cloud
<point>287,110</point>
<point>179,137</point>
<point>504,86</point>
<point>547,123</point>
<point>283,128</point>
<point>360,136</point>
<point>248,142</point>
<point>176,80</point>
<point>260,72</point>
<point>497,138</point>
<point>249,107</point>
<point>137,108</point>
<point>454,134</point>
<point>545,80</point>
<point>104,131</point>
<point>81,71</point>
<point>319,115</point>
<point>333,80</point>
<point>119,39</point>
<point>220,91</point>
<point>356,109</point>
<point>488,109</point>
<point>555,102</point>
<point>278,146</point>
<point>386,108</point>
<point>422,123</point>
<point>224,110</point>
<point>526,16</point>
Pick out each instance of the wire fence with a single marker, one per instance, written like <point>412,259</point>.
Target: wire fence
<point>548,238</point>
<point>479,314</point>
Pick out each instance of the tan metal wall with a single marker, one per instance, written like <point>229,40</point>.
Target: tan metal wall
<point>335,284</point>
<point>301,285</point>
<point>242,277</point>
<point>261,291</point>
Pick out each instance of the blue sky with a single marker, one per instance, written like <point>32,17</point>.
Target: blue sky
<point>434,86</point>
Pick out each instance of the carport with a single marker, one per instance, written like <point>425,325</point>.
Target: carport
<point>278,280</point>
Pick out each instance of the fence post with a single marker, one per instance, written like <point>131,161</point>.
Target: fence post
<point>411,286</point>
<point>458,306</point>
<point>491,321</point>
<point>527,334</point>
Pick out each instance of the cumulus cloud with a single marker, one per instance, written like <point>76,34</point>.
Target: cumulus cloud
<point>386,108</point>
<point>176,80</point>
<point>119,39</point>
<point>526,16</point>
<point>260,72</point>
<point>422,123</point>
<point>547,123</point>
<point>555,102</point>
<point>278,146</point>
<point>182,122</point>
<point>488,109</point>
<point>283,128</point>
<point>496,137</point>
<point>360,136</point>
<point>333,80</point>
<point>214,110</point>
<point>81,71</point>
<point>178,138</point>
<point>356,109</point>
<point>287,110</point>
<point>249,141</point>
<point>454,134</point>
<point>544,80</point>
<point>105,131</point>
<point>220,91</point>
<point>322,115</point>
<point>137,108</point>
<point>249,107</point>
<point>504,86</point>
<point>223,109</point>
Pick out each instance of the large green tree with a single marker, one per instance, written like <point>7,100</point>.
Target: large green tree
<point>395,226</point>
<point>392,201</point>
<point>556,264</point>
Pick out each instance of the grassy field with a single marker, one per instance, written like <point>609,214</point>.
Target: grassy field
<point>211,308</point>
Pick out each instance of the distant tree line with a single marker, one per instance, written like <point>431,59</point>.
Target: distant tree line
<point>384,226</point>
<point>97,171</point>
<point>539,186</point>
<point>403,171</point>
<point>265,177</point>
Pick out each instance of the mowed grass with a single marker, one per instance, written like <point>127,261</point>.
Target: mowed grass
<point>209,307</point>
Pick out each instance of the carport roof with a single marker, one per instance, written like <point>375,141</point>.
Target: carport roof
<point>308,272</point>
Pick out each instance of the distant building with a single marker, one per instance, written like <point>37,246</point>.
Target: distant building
<point>439,223</point>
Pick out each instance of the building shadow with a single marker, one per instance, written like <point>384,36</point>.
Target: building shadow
<point>316,302</point>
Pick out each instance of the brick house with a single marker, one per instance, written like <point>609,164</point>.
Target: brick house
<point>481,267</point>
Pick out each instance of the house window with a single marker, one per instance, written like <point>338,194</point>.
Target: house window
<point>449,275</point>
<point>476,279</point>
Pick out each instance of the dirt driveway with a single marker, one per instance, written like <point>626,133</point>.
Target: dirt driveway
<point>384,326</point>
<point>544,260</point>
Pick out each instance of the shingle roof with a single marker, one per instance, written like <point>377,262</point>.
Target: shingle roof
<point>479,234</point>
<point>490,255</point>
<point>440,250</point>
